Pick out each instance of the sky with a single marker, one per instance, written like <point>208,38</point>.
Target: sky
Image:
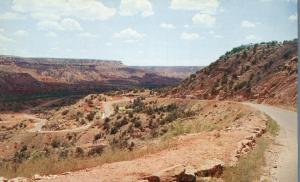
<point>142,32</point>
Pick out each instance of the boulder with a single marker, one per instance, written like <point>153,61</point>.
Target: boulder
<point>175,173</point>
<point>211,168</point>
<point>187,173</point>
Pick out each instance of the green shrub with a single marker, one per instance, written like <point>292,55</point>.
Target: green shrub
<point>137,124</point>
<point>97,136</point>
<point>287,53</point>
<point>98,150</point>
<point>64,153</point>
<point>79,152</point>
<point>241,85</point>
<point>22,154</point>
<point>55,143</point>
<point>90,116</point>
<point>272,126</point>
<point>65,112</point>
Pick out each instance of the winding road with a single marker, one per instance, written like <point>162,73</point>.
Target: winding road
<point>287,140</point>
<point>107,111</point>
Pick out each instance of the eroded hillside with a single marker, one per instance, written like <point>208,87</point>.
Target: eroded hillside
<point>265,72</point>
<point>64,76</point>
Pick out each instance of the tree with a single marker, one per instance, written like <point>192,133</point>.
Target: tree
<point>79,152</point>
<point>55,143</point>
<point>255,48</point>
<point>245,54</point>
<point>90,115</point>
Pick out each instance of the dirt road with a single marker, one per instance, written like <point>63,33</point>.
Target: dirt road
<point>286,169</point>
<point>108,110</point>
<point>108,106</point>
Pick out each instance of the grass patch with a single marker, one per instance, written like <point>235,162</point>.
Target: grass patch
<point>193,125</point>
<point>51,165</point>
<point>248,168</point>
<point>272,126</point>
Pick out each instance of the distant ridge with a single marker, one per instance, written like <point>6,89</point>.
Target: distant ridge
<point>45,60</point>
<point>61,76</point>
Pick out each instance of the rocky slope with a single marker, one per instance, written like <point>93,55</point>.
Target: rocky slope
<point>14,82</point>
<point>52,75</point>
<point>265,72</point>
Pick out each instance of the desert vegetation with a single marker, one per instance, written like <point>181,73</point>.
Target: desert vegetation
<point>264,72</point>
<point>140,126</point>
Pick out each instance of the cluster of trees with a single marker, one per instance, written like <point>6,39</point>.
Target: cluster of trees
<point>243,48</point>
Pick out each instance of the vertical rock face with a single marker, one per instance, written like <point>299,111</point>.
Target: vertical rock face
<point>265,72</point>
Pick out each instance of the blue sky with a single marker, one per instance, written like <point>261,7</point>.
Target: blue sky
<point>142,32</point>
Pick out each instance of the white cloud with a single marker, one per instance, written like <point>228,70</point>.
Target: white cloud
<point>66,24</point>
<point>202,6</point>
<point>204,19</point>
<point>49,25</point>
<point>167,26</point>
<point>21,33</point>
<point>11,16</point>
<point>51,34</point>
<point>189,36</point>
<point>251,37</point>
<point>87,35</point>
<point>186,26</point>
<point>206,10</point>
<point>4,39</point>
<point>248,24</point>
<point>45,16</point>
<point>293,18</point>
<point>133,7</point>
<point>128,35</point>
<point>82,9</point>
<point>70,24</point>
